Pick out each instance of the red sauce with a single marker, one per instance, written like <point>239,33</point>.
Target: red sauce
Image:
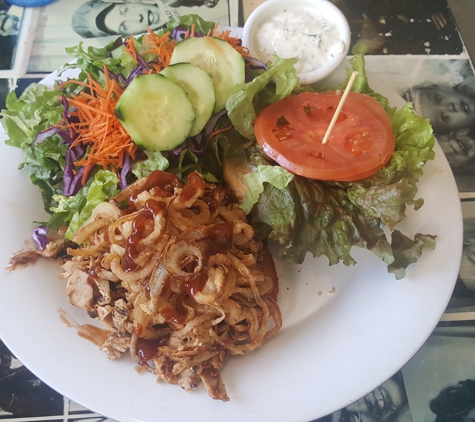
<point>157,191</point>
<point>91,279</point>
<point>195,182</point>
<point>161,179</point>
<point>147,349</point>
<point>210,200</point>
<point>212,204</point>
<point>196,284</point>
<point>151,209</point>
<point>95,335</point>
<point>95,268</point>
<point>221,238</point>
<point>177,314</point>
<point>127,211</point>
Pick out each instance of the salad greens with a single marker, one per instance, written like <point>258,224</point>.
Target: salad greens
<point>76,209</point>
<point>329,218</point>
<point>302,215</point>
<point>25,117</point>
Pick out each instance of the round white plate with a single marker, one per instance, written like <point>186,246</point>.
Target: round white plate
<point>346,329</point>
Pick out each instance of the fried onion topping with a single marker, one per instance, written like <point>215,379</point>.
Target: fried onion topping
<point>176,274</point>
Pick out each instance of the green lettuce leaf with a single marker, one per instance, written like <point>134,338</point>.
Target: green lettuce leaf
<point>361,82</point>
<point>75,210</point>
<point>274,175</point>
<point>34,111</point>
<point>407,251</point>
<point>92,61</point>
<point>273,85</point>
<point>46,162</point>
<point>386,194</point>
<point>155,161</point>
<point>187,21</point>
<point>329,218</point>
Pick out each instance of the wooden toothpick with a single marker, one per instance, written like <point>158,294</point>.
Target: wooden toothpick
<point>340,106</point>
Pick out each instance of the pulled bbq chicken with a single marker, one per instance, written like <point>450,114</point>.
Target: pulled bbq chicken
<point>175,272</point>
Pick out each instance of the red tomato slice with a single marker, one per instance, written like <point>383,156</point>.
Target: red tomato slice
<point>291,133</point>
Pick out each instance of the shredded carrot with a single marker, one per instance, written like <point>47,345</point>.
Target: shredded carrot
<point>130,48</point>
<point>235,42</point>
<point>161,46</point>
<point>98,127</point>
<point>219,131</point>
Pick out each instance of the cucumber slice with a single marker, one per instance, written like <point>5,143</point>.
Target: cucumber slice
<point>155,112</point>
<point>235,60</point>
<point>207,55</point>
<point>199,87</point>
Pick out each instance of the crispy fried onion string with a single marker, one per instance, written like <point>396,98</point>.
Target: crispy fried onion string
<point>178,277</point>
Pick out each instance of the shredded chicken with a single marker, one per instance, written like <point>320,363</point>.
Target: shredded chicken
<point>176,274</point>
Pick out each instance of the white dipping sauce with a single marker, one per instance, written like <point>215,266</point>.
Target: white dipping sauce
<point>302,33</point>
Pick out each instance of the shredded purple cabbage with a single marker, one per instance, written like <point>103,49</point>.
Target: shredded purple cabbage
<point>137,71</point>
<point>40,237</point>
<point>125,171</point>
<point>196,144</point>
<point>211,125</point>
<point>66,113</point>
<point>68,118</point>
<point>141,67</point>
<point>253,64</point>
<point>186,144</point>
<point>65,136</point>
<point>41,136</point>
<point>179,33</point>
<point>141,62</point>
<point>118,77</point>
<point>71,179</point>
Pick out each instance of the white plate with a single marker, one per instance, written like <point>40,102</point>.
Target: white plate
<point>333,348</point>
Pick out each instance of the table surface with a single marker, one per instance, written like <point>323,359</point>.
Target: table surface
<point>428,43</point>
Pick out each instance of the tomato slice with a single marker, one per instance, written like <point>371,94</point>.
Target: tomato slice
<point>291,133</point>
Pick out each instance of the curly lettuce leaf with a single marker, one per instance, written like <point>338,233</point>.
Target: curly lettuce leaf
<point>25,116</point>
<point>329,218</point>
<point>274,85</point>
<point>307,216</point>
<point>407,251</point>
<point>75,210</point>
<point>34,111</point>
<point>255,180</point>
<point>92,61</point>
<point>46,162</point>
<point>361,82</point>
